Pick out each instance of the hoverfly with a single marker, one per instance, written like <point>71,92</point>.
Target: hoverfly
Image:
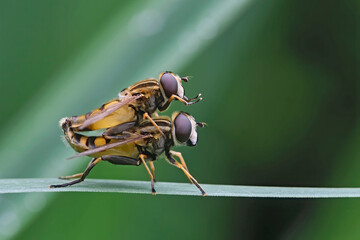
<point>134,144</point>
<point>137,102</point>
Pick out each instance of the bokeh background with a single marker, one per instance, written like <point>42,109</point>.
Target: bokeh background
<point>280,81</point>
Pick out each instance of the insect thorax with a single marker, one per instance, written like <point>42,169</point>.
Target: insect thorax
<point>155,147</point>
<point>150,102</point>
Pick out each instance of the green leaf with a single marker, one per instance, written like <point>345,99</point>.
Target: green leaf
<point>26,185</point>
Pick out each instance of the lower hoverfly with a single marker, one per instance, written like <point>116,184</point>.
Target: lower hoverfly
<point>140,100</point>
<point>135,144</point>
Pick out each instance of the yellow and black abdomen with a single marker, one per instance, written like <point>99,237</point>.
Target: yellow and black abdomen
<point>124,114</point>
<point>81,143</point>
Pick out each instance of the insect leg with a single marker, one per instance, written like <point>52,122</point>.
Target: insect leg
<point>179,155</point>
<point>172,161</point>
<point>152,169</point>
<point>114,159</point>
<point>183,101</point>
<point>93,162</point>
<point>146,115</point>
<point>78,175</point>
<point>192,99</point>
<point>142,157</point>
<point>121,160</point>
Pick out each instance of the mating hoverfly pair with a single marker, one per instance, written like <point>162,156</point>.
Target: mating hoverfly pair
<point>134,133</point>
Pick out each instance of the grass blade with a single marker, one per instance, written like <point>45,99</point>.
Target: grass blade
<point>27,185</point>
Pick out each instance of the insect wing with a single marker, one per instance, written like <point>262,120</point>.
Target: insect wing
<point>110,145</point>
<point>107,111</point>
<point>119,129</point>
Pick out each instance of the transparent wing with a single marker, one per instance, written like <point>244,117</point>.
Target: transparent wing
<point>107,111</point>
<point>119,129</point>
<point>130,139</point>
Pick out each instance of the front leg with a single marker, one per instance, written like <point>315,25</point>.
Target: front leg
<point>172,161</point>
<point>185,101</point>
<point>179,155</point>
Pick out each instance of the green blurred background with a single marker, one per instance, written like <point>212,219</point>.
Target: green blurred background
<point>280,81</point>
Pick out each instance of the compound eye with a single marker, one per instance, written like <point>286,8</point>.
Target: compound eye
<point>183,128</point>
<point>169,84</point>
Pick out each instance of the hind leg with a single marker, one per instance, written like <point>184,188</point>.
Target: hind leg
<point>92,164</point>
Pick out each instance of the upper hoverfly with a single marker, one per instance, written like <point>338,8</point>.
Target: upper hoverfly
<point>134,144</point>
<point>136,102</point>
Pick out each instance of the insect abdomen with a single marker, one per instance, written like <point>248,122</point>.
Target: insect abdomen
<point>123,114</point>
<point>82,143</point>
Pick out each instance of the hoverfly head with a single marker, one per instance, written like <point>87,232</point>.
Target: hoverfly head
<point>171,84</point>
<point>184,129</point>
